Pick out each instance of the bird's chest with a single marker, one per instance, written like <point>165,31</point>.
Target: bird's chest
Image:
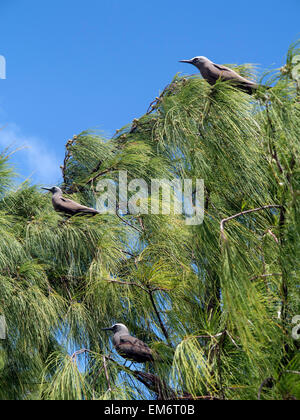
<point>116,340</point>
<point>56,205</point>
<point>54,202</point>
<point>208,75</point>
<point>59,206</point>
<point>204,72</point>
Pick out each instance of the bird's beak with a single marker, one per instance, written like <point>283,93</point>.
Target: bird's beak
<point>186,61</point>
<point>107,329</point>
<point>47,189</point>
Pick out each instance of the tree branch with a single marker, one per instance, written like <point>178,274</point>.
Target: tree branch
<point>106,374</point>
<point>78,352</point>
<point>148,290</point>
<point>266,275</point>
<point>163,328</point>
<point>128,224</point>
<point>127,283</point>
<point>294,372</point>
<point>272,146</point>
<point>94,178</point>
<point>242,213</point>
<point>267,383</point>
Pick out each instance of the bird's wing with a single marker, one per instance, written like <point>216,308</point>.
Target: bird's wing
<point>134,349</point>
<point>222,68</point>
<point>66,200</point>
<point>73,206</point>
<point>133,341</point>
<point>143,346</point>
<point>228,74</point>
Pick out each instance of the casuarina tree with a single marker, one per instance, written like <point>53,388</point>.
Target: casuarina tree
<point>215,302</point>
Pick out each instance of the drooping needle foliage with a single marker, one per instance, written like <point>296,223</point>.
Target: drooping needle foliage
<point>214,301</point>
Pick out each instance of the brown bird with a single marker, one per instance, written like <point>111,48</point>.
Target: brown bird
<point>212,72</point>
<point>129,347</point>
<point>64,205</point>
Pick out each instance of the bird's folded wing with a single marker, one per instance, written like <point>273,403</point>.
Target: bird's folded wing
<point>143,346</point>
<point>229,74</point>
<point>136,343</point>
<point>222,68</point>
<point>66,200</point>
<point>133,349</point>
<point>72,205</point>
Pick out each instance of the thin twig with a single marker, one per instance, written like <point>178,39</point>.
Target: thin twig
<point>106,374</point>
<point>147,290</point>
<point>267,382</point>
<point>242,213</point>
<point>163,328</point>
<point>273,235</point>
<point>266,275</point>
<point>232,339</point>
<point>78,352</point>
<point>210,336</point>
<point>127,283</point>
<point>96,377</point>
<point>128,253</point>
<point>128,224</point>
<point>94,178</point>
<point>218,335</point>
<point>295,372</point>
<point>273,149</point>
<point>292,165</point>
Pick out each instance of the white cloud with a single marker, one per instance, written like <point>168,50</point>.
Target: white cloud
<point>34,159</point>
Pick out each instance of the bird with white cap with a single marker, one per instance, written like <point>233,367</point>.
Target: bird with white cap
<point>212,72</point>
<point>70,207</point>
<point>129,347</point>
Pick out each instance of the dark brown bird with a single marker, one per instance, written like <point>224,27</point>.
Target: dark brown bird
<point>129,347</point>
<point>212,72</point>
<point>64,205</point>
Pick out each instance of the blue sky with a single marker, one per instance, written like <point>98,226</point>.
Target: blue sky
<point>75,65</point>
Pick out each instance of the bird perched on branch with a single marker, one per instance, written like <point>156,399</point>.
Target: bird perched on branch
<point>64,205</point>
<point>130,347</point>
<point>212,72</point>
